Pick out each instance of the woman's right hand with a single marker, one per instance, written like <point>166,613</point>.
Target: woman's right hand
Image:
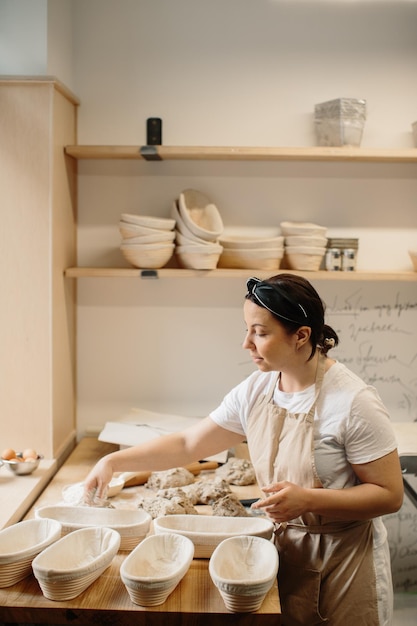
<point>97,481</point>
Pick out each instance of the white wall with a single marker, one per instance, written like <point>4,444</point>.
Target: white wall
<point>36,39</point>
<point>242,72</point>
<point>225,73</point>
<point>23,37</point>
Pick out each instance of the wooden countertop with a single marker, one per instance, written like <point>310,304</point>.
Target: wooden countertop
<point>19,492</point>
<point>195,601</point>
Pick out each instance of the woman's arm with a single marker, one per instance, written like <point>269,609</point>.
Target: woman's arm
<point>380,492</point>
<point>174,450</point>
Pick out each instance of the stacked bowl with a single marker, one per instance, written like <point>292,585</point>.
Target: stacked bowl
<point>148,242</point>
<point>246,252</point>
<point>305,245</point>
<point>198,228</point>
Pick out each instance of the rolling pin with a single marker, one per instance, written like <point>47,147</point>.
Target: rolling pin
<point>195,468</point>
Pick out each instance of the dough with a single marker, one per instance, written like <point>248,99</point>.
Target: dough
<point>158,506</point>
<point>237,472</point>
<point>208,491</point>
<point>229,506</point>
<point>176,477</point>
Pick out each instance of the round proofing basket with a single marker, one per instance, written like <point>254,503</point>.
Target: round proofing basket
<point>149,221</point>
<point>148,256</point>
<point>199,215</point>
<point>302,228</point>
<point>247,242</point>
<point>251,258</point>
<point>306,258</point>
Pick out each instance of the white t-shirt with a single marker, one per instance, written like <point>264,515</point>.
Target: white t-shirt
<point>351,424</point>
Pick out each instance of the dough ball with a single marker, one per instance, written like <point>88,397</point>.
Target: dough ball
<point>207,491</point>
<point>229,506</point>
<point>237,472</point>
<point>176,477</point>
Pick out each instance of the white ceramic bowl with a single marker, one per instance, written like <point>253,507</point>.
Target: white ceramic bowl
<point>148,256</point>
<point>306,258</point>
<point>302,228</point>
<point>200,215</point>
<point>413,257</point>
<point>155,567</point>
<point>21,543</point>
<point>199,257</point>
<point>252,258</point>
<point>207,531</point>
<point>306,240</point>
<point>70,565</point>
<point>131,524</point>
<point>244,569</point>
<point>251,242</point>
<point>149,221</point>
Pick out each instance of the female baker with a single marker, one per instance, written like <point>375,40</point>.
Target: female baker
<point>323,450</point>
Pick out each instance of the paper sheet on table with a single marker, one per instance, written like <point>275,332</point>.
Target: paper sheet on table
<point>141,425</point>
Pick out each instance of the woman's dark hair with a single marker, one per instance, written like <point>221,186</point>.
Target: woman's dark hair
<point>294,302</point>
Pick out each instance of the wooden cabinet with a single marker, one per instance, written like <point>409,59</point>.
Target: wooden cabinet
<point>38,235</point>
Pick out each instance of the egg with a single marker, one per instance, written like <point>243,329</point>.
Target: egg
<point>8,454</point>
<point>29,454</point>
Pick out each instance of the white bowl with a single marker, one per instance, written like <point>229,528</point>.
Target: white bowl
<point>207,531</point>
<point>66,568</point>
<point>302,228</point>
<point>149,256</point>
<point>200,215</point>
<point>306,258</point>
<point>21,543</point>
<point>149,221</point>
<point>413,257</point>
<point>155,567</point>
<point>160,236</point>
<point>131,524</point>
<point>305,240</point>
<point>252,258</point>
<point>251,242</point>
<point>244,569</point>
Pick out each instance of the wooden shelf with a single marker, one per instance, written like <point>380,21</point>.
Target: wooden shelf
<point>212,153</point>
<point>117,272</point>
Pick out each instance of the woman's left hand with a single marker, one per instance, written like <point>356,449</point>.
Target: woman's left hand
<point>285,502</point>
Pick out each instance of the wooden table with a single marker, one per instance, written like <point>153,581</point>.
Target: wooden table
<point>194,602</point>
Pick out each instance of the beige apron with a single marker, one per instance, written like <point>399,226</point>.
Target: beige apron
<point>326,572</point>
